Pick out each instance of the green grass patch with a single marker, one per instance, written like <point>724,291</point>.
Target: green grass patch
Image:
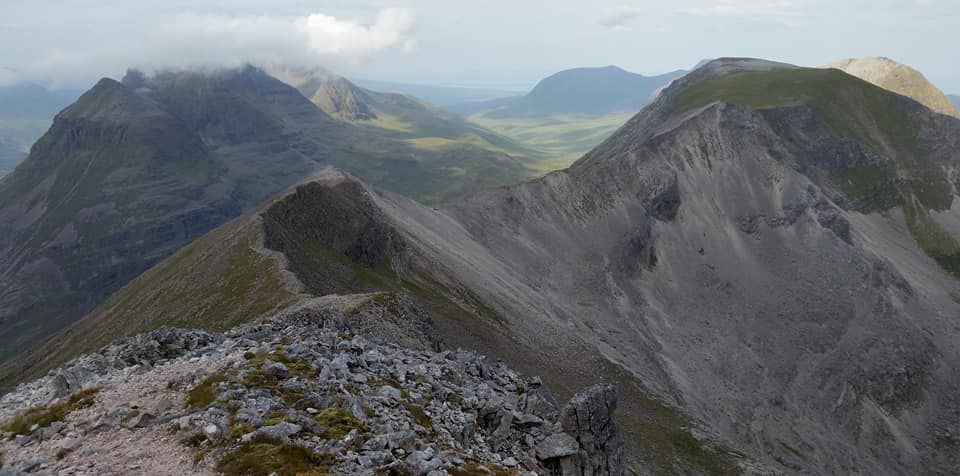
<point>473,468</point>
<point>240,429</point>
<point>45,416</point>
<point>264,456</point>
<point>337,423</point>
<point>848,107</point>
<point>662,434</point>
<point>932,238</point>
<point>202,395</point>
<point>419,415</point>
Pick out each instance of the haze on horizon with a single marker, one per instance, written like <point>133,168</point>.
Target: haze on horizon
<point>500,44</point>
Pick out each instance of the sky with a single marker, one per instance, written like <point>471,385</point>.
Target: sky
<point>492,43</point>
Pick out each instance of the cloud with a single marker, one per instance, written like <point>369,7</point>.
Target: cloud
<point>191,40</point>
<point>620,17</point>
<point>747,9</point>
<point>8,77</point>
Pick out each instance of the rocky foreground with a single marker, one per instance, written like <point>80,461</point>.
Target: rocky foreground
<point>299,394</point>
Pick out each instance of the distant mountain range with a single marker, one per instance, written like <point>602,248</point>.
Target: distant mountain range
<point>579,91</point>
<point>437,95</point>
<point>764,261</point>
<point>955,99</point>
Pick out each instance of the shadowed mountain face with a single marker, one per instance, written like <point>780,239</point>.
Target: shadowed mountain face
<point>580,91</point>
<point>769,250</point>
<point>133,171</point>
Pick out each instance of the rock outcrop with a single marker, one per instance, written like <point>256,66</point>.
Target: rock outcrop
<point>300,383</point>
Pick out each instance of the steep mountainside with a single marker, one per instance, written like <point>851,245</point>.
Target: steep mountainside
<point>579,91</point>
<point>133,171</point>
<point>770,250</point>
<point>901,79</point>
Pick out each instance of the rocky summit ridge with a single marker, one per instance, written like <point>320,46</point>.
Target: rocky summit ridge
<point>296,393</point>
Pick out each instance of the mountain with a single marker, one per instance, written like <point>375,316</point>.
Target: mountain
<point>570,112</point>
<point>901,79</point>
<point>400,116</point>
<point>26,111</point>
<point>133,171</point>
<point>955,99</point>
<point>763,262</point>
<point>579,91</point>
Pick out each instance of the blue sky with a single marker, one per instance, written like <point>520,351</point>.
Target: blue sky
<point>491,43</point>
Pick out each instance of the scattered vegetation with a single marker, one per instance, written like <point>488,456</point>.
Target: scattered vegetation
<point>205,392</point>
<point>663,435</point>
<point>932,238</point>
<point>256,377</point>
<point>337,422</point>
<point>264,456</point>
<point>240,429</point>
<point>472,468</point>
<point>45,416</point>
<point>419,415</point>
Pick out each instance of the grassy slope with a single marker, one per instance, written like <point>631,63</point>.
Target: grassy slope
<point>220,280</point>
<point>853,108</point>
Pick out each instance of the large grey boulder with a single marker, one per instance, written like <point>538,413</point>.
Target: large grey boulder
<point>591,444</point>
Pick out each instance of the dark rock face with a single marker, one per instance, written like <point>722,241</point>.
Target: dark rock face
<point>333,234</point>
<point>586,420</point>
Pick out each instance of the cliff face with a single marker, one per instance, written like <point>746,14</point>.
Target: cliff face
<point>299,392</point>
<point>762,259</point>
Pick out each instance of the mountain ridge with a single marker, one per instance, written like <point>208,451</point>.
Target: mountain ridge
<point>732,260</point>
<point>132,172</point>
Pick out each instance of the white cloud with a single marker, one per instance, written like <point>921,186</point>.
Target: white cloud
<point>620,17</point>
<point>747,9</point>
<point>328,35</point>
<point>191,40</point>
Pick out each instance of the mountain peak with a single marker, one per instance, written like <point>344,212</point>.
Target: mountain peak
<point>111,101</point>
<point>899,78</point>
